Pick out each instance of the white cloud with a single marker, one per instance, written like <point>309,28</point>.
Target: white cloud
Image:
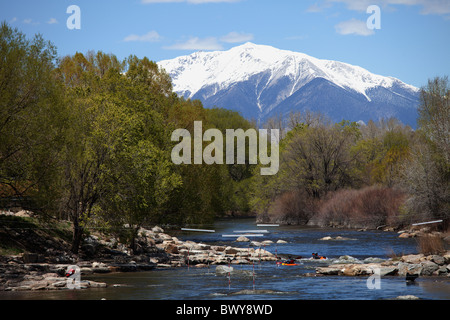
<point>357,5</point>
<point>160,1</point>
<point>353,26</point>
<point>188,1</point>
<point>236,37</point>
<point>439,7</point>
<point>316,7</point>
<point>52,21</point>
<point>31,22</point>
<point>436,7</point>
<point>151,36</point>
<point>196,43</point>
<point>211,43</point>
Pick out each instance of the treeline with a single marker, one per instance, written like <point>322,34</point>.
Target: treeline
<point>369,175</point>
<point>87,138</point>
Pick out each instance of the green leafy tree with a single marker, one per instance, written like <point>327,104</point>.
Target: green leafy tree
<point>140,186</point>
<point>95,130</point>
<point>141,177</point>
<point>31,118</point>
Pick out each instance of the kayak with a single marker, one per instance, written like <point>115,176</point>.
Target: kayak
<point>286,264</point>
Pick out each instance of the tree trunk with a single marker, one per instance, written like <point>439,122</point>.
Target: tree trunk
<point>77,235</point>
<point>133,244</point>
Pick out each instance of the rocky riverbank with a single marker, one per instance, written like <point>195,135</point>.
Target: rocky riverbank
<point>157,249</point>
<point>413,264</point>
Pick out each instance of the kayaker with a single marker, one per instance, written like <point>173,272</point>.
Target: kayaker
<point>316,256</point>
<point>289,260</point>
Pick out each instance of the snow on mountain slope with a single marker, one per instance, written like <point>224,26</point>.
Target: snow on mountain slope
<point>270,76</point>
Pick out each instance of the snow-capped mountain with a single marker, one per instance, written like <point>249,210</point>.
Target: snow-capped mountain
<point>261,81</point>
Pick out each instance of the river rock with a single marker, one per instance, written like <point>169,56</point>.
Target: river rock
<point>428,268</point>
<point>242,239</point>
<point>200,247</point>
<point>230,250</point>
<point>258,292</point>
<point>224,269</point>
<point>446,257</point>
<point>100,267</point>
<point>146,233</point>
<point>356,269</point>
<point>373,260</point>
<point>408,268</point>
<point>388,271</point>
<point>407,297</point>
<point>412,258</point>
<point>239,261</point>
<point>331,270</point>
<point>405,234</point>
<point>338,238</point>
<point>346,260</point>
<point>442,270</point>
<point>172,248</point>
<point>218,248</point>
<point>359,269</point>
<point>265,255</point>
<point>220,260</point>
<point>164,236</point>
<point>157,229</point>
<point>94,284</point>
<point>201,265</point>
<point>50,281</point>
<point>439,260</point>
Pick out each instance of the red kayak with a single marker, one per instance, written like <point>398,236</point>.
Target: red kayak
<point>287,263</point>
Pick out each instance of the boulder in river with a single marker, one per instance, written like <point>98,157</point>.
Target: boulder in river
<point>224,269</point>
<point>409,264</point>
<point>338,238</point>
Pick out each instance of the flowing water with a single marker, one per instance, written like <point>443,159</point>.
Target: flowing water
<point>266,280</point>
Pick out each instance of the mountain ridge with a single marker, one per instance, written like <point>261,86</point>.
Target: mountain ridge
<point>261,81</point>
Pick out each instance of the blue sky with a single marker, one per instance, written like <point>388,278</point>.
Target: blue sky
<point>412,45</point>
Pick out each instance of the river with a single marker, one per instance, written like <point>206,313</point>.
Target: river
<point>265,280</point>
